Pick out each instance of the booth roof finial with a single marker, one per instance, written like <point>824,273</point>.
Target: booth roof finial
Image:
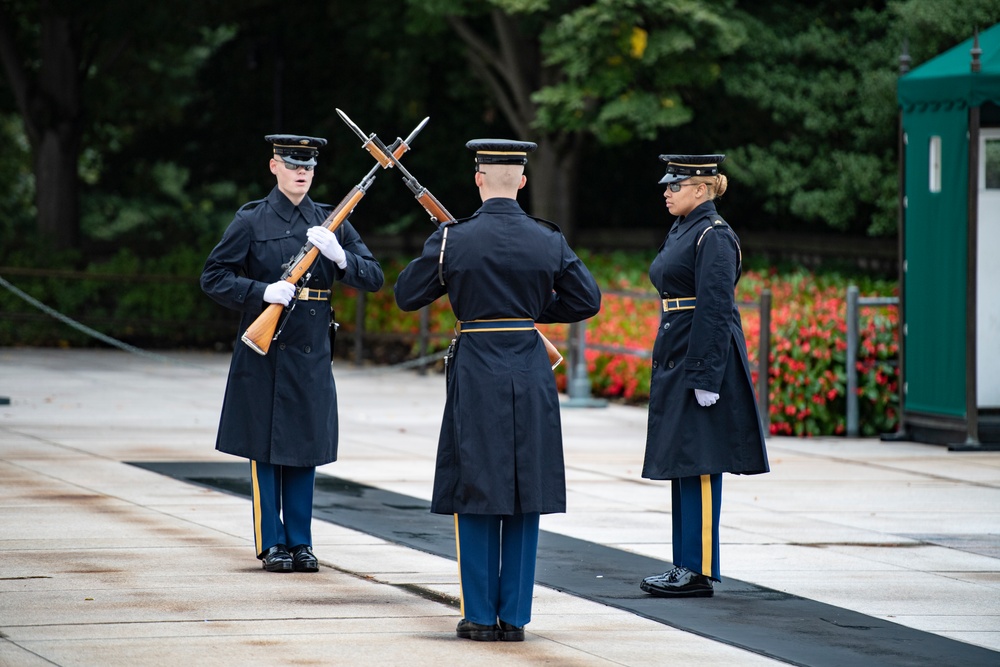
<point>976,52</point>
<point>904,57</point>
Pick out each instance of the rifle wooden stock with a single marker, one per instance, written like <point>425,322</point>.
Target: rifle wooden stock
<point>554,357</point>
<point>434,208</point>
<point>260,333</point>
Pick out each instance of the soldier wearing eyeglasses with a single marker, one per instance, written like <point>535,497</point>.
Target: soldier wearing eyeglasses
<point>280,409</point>
<point>703,419</point>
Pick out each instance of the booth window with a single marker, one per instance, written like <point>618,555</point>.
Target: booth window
<point>935,164</point>
<point>992,166</point>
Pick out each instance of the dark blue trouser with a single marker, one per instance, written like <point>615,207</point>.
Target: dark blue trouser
<point>695,508</point>
<point>282,505</point>
<point>496,566</point>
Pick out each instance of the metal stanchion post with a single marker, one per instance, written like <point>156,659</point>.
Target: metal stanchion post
<point>852,361</point>
<point>579,385</point>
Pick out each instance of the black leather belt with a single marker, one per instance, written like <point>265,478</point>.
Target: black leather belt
<point>685,303</point>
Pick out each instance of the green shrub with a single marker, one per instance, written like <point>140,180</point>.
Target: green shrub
<point>157,302</point>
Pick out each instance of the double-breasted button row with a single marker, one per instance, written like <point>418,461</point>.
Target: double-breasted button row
<point>306,348</point>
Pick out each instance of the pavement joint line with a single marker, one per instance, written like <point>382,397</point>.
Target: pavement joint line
<point>771,448</point>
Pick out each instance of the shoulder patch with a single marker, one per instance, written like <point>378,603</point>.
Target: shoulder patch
<point>718,222</point>
<point>546,223</point>
<point>249,206</point>
<point>459,220</point>
<point>721,224</point>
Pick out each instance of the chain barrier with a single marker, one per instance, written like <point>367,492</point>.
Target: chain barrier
<point>132,349</point>
<point>83,328</point>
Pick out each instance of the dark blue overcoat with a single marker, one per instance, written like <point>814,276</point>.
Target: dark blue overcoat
<point>705,349</point>
<point>500,447</point>
<point>281,408</point>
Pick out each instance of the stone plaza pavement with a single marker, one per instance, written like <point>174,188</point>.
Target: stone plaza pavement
<point>108,564</point>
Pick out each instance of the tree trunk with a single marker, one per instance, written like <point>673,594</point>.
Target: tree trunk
<point>511,71</point>
<point>552,178</point>
<point>58,131</point>
<point>56,187</point>
<point>50,106</point>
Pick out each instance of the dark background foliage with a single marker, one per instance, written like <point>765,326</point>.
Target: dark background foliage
<point>132,133</point>
<point>161,110</point>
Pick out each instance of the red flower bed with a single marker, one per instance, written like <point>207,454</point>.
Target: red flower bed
<point>807,378</point>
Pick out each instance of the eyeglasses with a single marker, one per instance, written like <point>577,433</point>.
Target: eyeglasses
<point>676,187</point>
<point>294,167</point>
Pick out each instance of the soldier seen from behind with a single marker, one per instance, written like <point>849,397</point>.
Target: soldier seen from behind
<point>499,459</point>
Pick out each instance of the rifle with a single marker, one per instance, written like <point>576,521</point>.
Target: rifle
<point>438,213</point>
<point>261,331</point>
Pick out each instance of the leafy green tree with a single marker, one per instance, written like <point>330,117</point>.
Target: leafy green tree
<point>82,73</point>
<point>928,27</point>
<point>563,72</point>
<point>814,143</point>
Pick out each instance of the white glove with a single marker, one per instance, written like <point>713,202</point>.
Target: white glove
<point>327,242</point>
<point>705,398</point>
<point>279,292</point>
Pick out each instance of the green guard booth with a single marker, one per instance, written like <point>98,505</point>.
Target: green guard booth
<point>950,247</point>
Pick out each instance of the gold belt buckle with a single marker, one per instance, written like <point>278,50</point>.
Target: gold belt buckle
<point>309,294</point>
<point>675,304</point>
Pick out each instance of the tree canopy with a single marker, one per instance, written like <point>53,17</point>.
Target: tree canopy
<point>145,128</point>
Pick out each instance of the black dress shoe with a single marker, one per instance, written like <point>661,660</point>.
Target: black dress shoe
<point>303,559</point>
<point>679,582</point>
<point>511,633</point>
<point>481,633</point>
<point>277,559</point>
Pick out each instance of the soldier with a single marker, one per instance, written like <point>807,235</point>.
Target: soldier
<point>280,409</point>
<point>499,460</point>
<point>703,418</point>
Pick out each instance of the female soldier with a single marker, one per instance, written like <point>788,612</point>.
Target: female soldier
<point>703,418</point>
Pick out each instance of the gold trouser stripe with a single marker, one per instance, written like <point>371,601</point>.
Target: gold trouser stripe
<point>258,538</point>
<point>458,557</point>
<point>706,525</point>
